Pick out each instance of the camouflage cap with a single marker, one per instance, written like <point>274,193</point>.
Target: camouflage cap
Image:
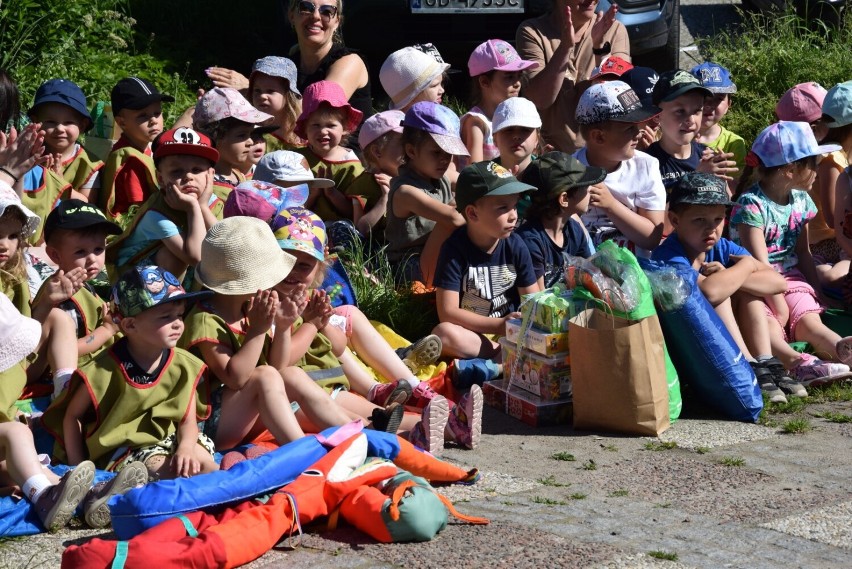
<point>698,188</point>
<point>556,172</point>
<point>673,84</point>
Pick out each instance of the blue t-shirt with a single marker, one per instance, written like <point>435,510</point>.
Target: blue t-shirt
<point>153,226</point>
<point>487,283</point>
<point>672,169</point>
<point>672,251</point>
<point>548,258</point>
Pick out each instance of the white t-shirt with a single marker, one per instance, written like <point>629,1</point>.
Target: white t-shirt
<point>636,183</point>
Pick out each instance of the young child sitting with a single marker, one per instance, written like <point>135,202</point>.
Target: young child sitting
<point>681,97</point>
<point>517,133</point>
<point>642,81</point>
<point>272,90</point>
<point>168,229</point>
<point>711,134</point>
<point>380,140</point>
<point>60,107</point>
<point>733,281</point>
<point>421,213</point>
<point>286,169</point>
<point>629,206</point>
<point>550,230</point>
<point>484,267</point>
<point>771,221</point>
<point>495,68</point>
<point>136,400</point>
<point>411,76</point>
<point>75,236</point>
<point>128,176</point>
<point>327,119</point>
<point>232,123</point>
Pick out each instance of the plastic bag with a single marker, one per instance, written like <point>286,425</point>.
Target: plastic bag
<point>670,290</point>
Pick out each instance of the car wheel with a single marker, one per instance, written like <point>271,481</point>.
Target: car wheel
<point>668,56</point>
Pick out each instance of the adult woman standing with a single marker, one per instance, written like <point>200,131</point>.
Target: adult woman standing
<point>319,55</point>
<point>568,42</point>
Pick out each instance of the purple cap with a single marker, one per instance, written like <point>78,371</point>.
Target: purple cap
<point>787,141</point>
<point>801,103</point>
<point>263,200</point>
<point>496,55</point>
<point>441,123</point>
<point>378,125</point>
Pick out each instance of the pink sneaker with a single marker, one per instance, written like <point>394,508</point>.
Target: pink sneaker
<point>465,421</point>
<point>428,434</point>
<point>422,395</point>
<point>813,371</point>
<point>383,394</point>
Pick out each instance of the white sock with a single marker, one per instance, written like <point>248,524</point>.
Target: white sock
<point>35,485</point>
<point>413,382</point>
<point>61,378</point>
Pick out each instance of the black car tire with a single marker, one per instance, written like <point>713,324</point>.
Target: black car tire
<point>667,57</point>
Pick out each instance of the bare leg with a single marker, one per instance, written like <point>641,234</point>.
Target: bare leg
<point>726,313</point>
<point>832,275</point>
<point>811,329</point>
<point>753,323</point>
<point>17,449</point>
<point>364,408</point>
<point>58,345</point>
<point>264,397</point>
<point>459,342</point>
<point>318,407</point>
<point>374,350</point>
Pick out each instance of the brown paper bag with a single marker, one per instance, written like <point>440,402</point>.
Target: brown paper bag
<point>618,374</point>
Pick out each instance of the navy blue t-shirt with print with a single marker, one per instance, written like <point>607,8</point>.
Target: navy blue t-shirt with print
<point>672,251</point>
<point>671,168</point>
<point>548,258</point>
<point>487,283</point>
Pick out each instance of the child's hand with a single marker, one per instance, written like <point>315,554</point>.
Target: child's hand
<point>292,306</point>
<point>61,286</point>
<point>109,322</point>
<point>719,164</point>
<point>511,316</point>
<point>708,269</point>
<point>184,462</point>
<point>600,196</point>
<point>384,181</point>
<point>21,151</point>
<point>177,199</point>
<point>261,311</point>
<point>319,310</point>
<point>647,136</point>
<point>54,162</point>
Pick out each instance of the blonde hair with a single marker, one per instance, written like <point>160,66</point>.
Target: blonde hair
<point>337,37</point>
<point>14,270</point>
<point>289,114</point>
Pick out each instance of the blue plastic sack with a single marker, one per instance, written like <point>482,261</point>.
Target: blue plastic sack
<point>704,353</point>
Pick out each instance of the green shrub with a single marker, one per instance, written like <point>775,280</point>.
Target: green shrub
<point>769,54</point>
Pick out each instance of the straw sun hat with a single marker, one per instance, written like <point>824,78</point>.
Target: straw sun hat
<point>240,255</point>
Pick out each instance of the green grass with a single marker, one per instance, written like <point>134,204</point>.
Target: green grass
<point>660,445</point>
<point>836,392</point>
<point>793,405</point>
<point>619,493</point>
<point>663,505</point>
<point>579,496</point>
<point>796,426</point>
<point>589,465</point>
<point>551,481</point>
<point>832,417</point>
<point>548,501</point>
<point>610,448</point>
<point>563,456</point>
<point>702,450</point>
<point>666,555</point>
<point>732,461</point>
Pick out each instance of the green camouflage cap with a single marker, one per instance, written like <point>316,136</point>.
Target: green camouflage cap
<point>673,84</point>
<point>556,172</point>
<point>698,188</point>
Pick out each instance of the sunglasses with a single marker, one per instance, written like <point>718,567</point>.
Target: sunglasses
<point>309,8</point>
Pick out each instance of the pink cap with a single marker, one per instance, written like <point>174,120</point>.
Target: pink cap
<point>801,103</point>
<point>331,94</point>
<point>496,55</point>
<point>378,125</point>
<point>221,103</point>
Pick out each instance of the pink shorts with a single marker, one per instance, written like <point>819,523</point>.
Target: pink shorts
<point>342,318</point>
<point>801,299</point>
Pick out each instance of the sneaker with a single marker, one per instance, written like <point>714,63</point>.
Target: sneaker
<point>474,371</point>
<point>56,504</point>
<point>383,394</point>
<point>422,395</point>
<point>766,381</point>
<point>783,380</point>
<point>95,508</point>
<point>465,421</point>
<point>421,353</point>
<point>428,434</point>
<point>387,419</point>
<point>844,350</point>
<point>813,371</point>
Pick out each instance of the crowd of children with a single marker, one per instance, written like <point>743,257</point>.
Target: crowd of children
<point>215,233</point>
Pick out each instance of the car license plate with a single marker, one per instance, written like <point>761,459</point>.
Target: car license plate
<point>466,6</point>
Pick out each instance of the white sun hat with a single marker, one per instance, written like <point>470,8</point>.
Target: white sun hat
<point>19,335</point>
<point>406,73</point>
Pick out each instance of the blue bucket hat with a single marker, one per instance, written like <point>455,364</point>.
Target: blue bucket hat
<point>714,77</point>
<point>276,66</point>
<point>66,93</point>
<point>786,142</point>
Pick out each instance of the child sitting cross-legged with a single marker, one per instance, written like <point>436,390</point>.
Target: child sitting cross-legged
<point>733,281</point>
<point>483,269</point>
<point>551,231</point>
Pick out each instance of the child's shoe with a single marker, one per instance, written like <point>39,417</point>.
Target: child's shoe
<point>844,350</point>
<point>465,421</point>
<point>474,371</point>
<point>783,380</point>
<point>812,372</point>
<point>766,381</point>
<point>387,419</point>
<point>95,508</point>
<point>422,395</point>
<point>421,353</point>
<point>428,434</point>
<point>56,504</point>
<point>383,394</point>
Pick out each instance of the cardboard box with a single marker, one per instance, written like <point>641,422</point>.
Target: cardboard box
<point>544,343</point>
<point>526,407</point>
<point>547,377</point>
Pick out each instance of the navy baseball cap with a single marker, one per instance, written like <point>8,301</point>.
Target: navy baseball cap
<point>64,92</point>
<point>642,81</point>
<point>673,84</point>
<point>135,93</point>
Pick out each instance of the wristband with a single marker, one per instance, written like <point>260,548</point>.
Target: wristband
<point>605,49</point>
<point>8,173</point>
